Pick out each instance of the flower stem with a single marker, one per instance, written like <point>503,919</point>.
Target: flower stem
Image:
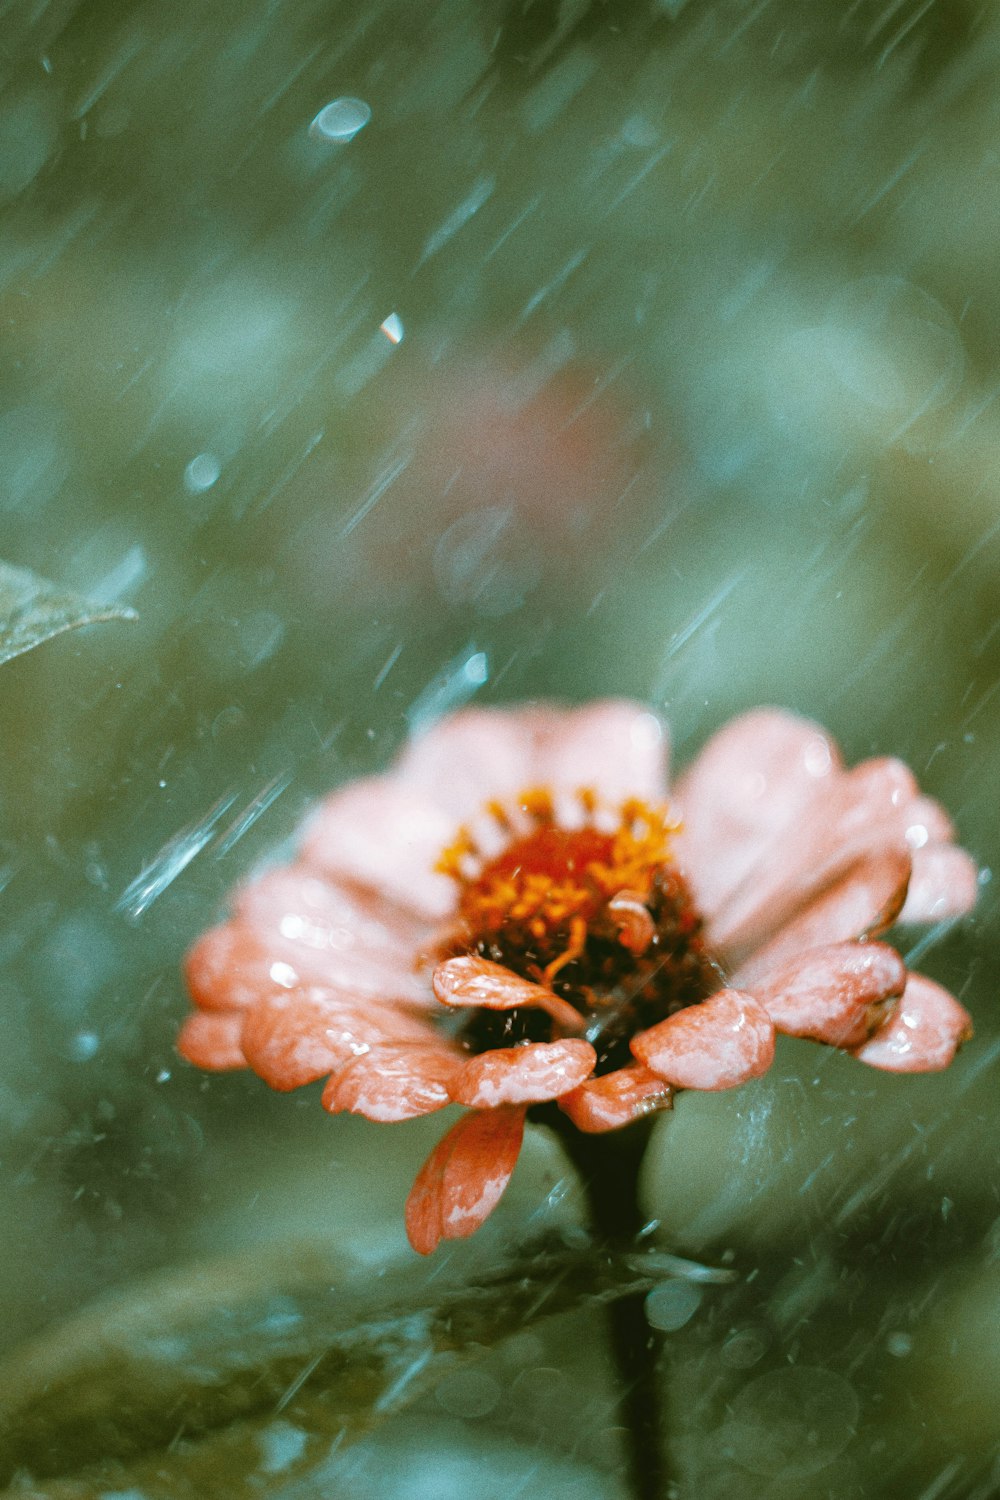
<point>609,1167</point>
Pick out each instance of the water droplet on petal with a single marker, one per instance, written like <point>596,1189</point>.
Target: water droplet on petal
<point>201,473</point>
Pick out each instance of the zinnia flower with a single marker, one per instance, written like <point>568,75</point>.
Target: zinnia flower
<point>515,917</point>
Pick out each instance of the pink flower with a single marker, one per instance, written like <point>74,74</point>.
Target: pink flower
<point>512,917</point>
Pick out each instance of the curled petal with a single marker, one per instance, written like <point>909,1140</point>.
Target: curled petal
<point>296,1037</point>
<point>395,1083</point>
<point>618,747</point>
<point>860,904</point>
<point>749,784</point>
<point>616,1099</point>
<point>726,1040</point>
<point>923,1033</point>
<point>230,968</point>
<point>632,917</point>
<point>836,994</point>
<point>944,883</point>
<point>379,834</point>
<point>212,1041</point>
<point>464,1178</point>
<point>527,1074</point>
<point>478,982</point>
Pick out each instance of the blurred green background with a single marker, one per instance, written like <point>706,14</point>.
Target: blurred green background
<point>687,392</point>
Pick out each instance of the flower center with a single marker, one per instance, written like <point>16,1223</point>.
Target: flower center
<point>596,912</point>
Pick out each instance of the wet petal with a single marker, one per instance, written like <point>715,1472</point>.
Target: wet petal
<point>296,1037</point>
<point>380,834</point>
<point>617,747</point>
<point>524,1075</point>
<point>748,785</point>
<point>944,883</point>
<point>469,757</point>
<point>230,969</point>
<point>395,1083</point>
<point>922,1034</point>
<point>835,994</point>
<point>862,903</point>
<point>464,1177</point>
<point>616,1099</point>
<point>859,813</point>
<point>334,936</point>
<point>718,1044</point>
<point>213,1041</point>
<point>478,982</point>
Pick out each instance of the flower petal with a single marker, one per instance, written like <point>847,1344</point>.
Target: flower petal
<point>464,1178</point>
<point>860,812</point>
<point>616,1099</point>
<point>835,994</point>
<point>944,883</point>
<point>860,904</point>
<point>923,1033</point>
<point>470,756</point>
<point>619,748</point>
<point>230,969</point>
<point>718,1044</point>
<point>749,784</point>
<point>334,936</point>
<point>527,1074</point>
<point>213,1041</point>
<point>380,834</point>
<point>296,1037</point>
<point>478,982</point>
<point>395,1083</point>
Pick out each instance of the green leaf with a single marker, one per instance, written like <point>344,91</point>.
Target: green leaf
<point>32,610</point>
<point>170,1387</point>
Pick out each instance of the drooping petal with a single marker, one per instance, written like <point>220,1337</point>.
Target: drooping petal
<point>380,834</point>
<point>212,1041</point>
<point>617,747</point>
<point>293,1038</point>
<point>528,1074</point>
<point>726,1040</point>
<point>473,981</point>
<point>464,1178</point>
<point>748,785</point>
<point>923,1033</point>
<point>471,756</point>
<point>392,1083</point>
<point>230,968</point>
<point>861,904</point>
<point>334,936</point>
<point>944,883</point>
<point>835,994</point>
<point>616,1099</point>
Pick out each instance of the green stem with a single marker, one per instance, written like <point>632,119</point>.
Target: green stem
<point>609,1167</point>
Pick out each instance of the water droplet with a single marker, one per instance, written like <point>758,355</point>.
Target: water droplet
<point>84,1046</point>
<point>670,1306</point>
<point>791,1422</point>
<point>340,120</point>
<point>744,1348</point>
<point>392,327</point>
<point>899,1344</point>
<point>201,473</point>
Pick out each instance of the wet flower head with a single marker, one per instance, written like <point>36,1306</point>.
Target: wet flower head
<point>517,917</point>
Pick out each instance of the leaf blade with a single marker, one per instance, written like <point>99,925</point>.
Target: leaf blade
<point>33,611</point>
